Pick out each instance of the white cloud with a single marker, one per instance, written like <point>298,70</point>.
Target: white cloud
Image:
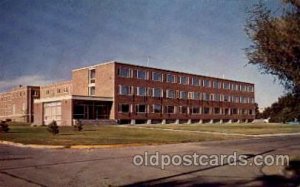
<point>32,80</point>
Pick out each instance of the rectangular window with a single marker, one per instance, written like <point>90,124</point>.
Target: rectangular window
<point>226,98</point>
<point>183,80</point>
<point>195,81</point>
<point>141,108</point>
<point>124,90</point>
<point>171,94</point>
<point>141,91</point>
<point>157,108</point>
<point>217,110</point>
<point>124,108</point>
<point>196,95</point>
<point>171,78</point>
<point>142,74</point>
<point>226,85</point>
<point>157,92</point>
<point>92,73</point>
<point>234,111</point>
<point>206,96</point>
<point>206,110</point>
<point>215,84</point>
<point>196,110</point>
<point>170,109</point>
<point>206,83</point>
<point>156,76</point>
<point>183,109</point>
<point>92,90</point>
<point>124,72</point>
<point>217,97</point>
<point>183,95</point>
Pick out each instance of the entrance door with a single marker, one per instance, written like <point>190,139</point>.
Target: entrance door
<point>52,111</point>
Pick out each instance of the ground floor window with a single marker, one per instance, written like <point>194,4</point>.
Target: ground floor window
<point>157,108</point>
<point>124,108</point>
<point>141,108</point>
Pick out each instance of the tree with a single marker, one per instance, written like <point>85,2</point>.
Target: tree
<point>275,40</point>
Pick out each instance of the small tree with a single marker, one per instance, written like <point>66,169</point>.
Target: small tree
<point>78,125</point>
<point>53,128</point>
<point>4,127</point>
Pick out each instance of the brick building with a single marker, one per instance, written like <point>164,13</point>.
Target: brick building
<point>17,103</point>
<point>137,94</point>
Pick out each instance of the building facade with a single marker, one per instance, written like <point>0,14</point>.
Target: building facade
<point>130,94</point>
<point>17,103</point>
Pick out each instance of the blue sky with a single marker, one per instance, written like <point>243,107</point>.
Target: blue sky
<point>42,41</point>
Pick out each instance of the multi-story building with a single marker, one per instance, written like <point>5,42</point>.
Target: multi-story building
<point>17,103</point>
<point>136,94</point>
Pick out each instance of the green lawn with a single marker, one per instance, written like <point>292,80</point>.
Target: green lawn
<point>102,135</point>
<point>243,128</point>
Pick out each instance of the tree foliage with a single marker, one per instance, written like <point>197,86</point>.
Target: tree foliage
<point>286,109</point>
<point>275,40</point>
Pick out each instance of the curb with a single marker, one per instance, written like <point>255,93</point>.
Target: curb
<point>36,146</point>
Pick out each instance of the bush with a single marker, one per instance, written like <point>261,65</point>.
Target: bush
<point>53,128</point>
<point>78,126</point>
<point>4,126</point>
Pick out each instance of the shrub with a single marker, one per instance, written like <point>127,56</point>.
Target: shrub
<point>53,128</point>
<point>78,125</point>
<point>4,126</point>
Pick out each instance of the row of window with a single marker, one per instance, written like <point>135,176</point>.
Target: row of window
<point>58,90</point>
<point>173,94</point>
<point>185,80</point>
<point>157,108</point>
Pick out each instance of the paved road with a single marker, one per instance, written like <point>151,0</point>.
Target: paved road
<point>114,167</point>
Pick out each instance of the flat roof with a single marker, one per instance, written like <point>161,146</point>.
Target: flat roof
<point>160,69</point>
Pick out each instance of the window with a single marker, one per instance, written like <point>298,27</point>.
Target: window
<point>157,108</point>
<point>92,73</point>
<point>58,90</point>
<point>217,97</point>
<point>141,108</point>
<point>171,94</point>
<point>196,96</point>
<point>124,108</point>
<point>92,90</point>
<point>183,95</point>
<point>234,111</point>
<point>226,98</point>
<point>243,88</point>
<point>171,78</point>
<point>156,76</point>
<point>66,90</point>
<point>206,83</point>
<point>170,109</point>
<point>216,84</point>
<point>251,89</point>
<point>124,90</point>
<point>195,81</point>
<point>206,110</point>
<point>142,74</point>
<point>124,72</point>
<point>157,92</point>
<point>141,91</point>
<point>183,80</point>
<point>206,97</point>
<point>47,92</point>
<point>252,100</point>
<point>217,110</point>
<point>235,99</point>
<point>226,85</point>
<point>183,109</point>
<point>196,110</point>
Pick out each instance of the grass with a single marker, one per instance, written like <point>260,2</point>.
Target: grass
<point>101,135</point>
<point>246,128</point>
